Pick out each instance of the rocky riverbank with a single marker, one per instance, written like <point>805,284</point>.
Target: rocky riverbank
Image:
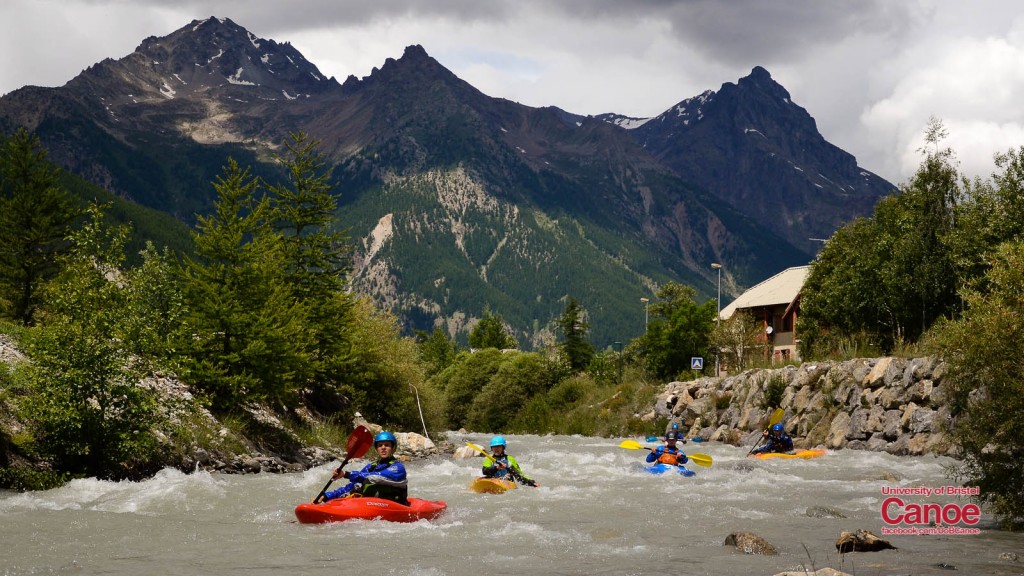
<point>895,405</point>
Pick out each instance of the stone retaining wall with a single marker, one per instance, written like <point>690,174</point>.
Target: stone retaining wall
<point>894,405</point>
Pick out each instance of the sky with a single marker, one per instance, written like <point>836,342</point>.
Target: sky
<point>870,72</point>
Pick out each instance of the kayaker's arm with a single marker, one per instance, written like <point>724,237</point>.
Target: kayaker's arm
<point>517,473</point>
<point>491,467</point>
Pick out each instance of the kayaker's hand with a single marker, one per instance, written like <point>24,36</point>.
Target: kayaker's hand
<point>340,474</point>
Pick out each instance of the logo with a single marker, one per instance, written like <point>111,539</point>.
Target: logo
<point>378,504</point>
<point>904,517</point>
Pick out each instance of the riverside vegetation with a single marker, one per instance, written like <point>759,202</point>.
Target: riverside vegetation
<point>251,320</point>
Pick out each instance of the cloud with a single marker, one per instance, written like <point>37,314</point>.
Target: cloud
<point>871,73</point>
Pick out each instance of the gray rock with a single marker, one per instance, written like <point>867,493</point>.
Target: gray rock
<point>750,543</point>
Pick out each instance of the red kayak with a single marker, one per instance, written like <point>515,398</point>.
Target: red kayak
<point>369,508</point>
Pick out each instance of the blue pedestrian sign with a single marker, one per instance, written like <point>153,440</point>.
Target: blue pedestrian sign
<point>696,363</point>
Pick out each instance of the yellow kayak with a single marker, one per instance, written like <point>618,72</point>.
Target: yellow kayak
<point>484,485</point>
<point>805,454</point>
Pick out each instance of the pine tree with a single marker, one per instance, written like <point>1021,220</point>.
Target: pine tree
<point>490,332</point>
<point>243,330</point>
<point>577,350</point>
<point>35,217</point>
<point>317,257</point>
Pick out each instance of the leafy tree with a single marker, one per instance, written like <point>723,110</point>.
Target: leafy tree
<point>387,381</point>
<point>892,275</point>
<point>154,306</point>
<point>519,377</point>
<point>88,412</point>
<point>490,332</point>
<point>575,348</point>
<point>35,217</point>
<point>986,384</point>
<point>679,330</point>
<point>992,213</point>
<point>463,380</point>
<point>243,335</point>
<point>841,294</point>
<point>737,338</point>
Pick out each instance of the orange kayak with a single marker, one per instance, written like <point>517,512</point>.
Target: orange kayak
<point>484,485</point>
<point>805,454</point>
<point>368,508</point>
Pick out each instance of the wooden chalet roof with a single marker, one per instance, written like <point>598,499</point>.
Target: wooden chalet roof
<point>783,288</point>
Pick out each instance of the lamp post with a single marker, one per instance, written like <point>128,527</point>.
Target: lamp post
<point>718,316</point>
<point>619,345</point>
<point>646,303</point>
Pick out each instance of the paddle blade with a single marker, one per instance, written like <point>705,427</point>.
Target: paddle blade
<point>358,443</point>
<point>478,449</point>
<point>632,445</point>
<point>776,417</point>
<point>700,459</point>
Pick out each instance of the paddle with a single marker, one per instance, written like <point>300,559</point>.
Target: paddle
<point>359,442</point>
<point>698,459</point>
<point>775,419</point>
<point>512,471</point>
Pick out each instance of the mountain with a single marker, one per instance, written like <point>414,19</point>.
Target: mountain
<point>755,149</point>
<point>455,200</point>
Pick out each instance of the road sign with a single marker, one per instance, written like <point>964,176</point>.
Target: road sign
<point>696,363</point>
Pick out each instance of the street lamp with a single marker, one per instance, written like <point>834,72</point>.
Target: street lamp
<point>718,316</point>
<point>619,345</point>
<point>646,303</point>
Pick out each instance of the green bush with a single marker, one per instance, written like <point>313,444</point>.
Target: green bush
<point>774,391</point>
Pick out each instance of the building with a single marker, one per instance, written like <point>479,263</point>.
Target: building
<point>776,303</point>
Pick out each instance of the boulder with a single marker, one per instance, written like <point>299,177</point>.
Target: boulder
<point>861,541</point>
<point>750,543</point>
<point>464,452</point>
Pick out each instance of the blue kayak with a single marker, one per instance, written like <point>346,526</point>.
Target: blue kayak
<point>661,468</point>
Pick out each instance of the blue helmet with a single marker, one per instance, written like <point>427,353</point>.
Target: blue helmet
<point>777,428</point>
<point>385,436</point>
<point>497,441</point>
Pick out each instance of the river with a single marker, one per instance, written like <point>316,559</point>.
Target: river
<point>595,513</point>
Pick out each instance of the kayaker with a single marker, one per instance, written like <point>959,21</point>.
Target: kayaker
<point>384,478</point>
<point>668,453</point>
<point>778,441</point>
<point>501,465</point>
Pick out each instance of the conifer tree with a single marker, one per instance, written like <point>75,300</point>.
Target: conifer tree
<point>490,332</point>
<point>243,332</point>
<point>35,217</point>
<point>317,256</point>
<point>577,350</point>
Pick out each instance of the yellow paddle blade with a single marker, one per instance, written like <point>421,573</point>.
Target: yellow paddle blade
<point>700,459</point>
<point>776,417</point>
<point>477,448</point>
<point>633,445</point>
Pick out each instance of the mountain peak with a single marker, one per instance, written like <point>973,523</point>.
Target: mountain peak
<point>415,51</point>
<point>760,74</point>
<point>214,54</point>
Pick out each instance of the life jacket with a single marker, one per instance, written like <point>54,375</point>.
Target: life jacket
<point>500,472</point>
<point>386,491</point>
<point>670,458</point>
